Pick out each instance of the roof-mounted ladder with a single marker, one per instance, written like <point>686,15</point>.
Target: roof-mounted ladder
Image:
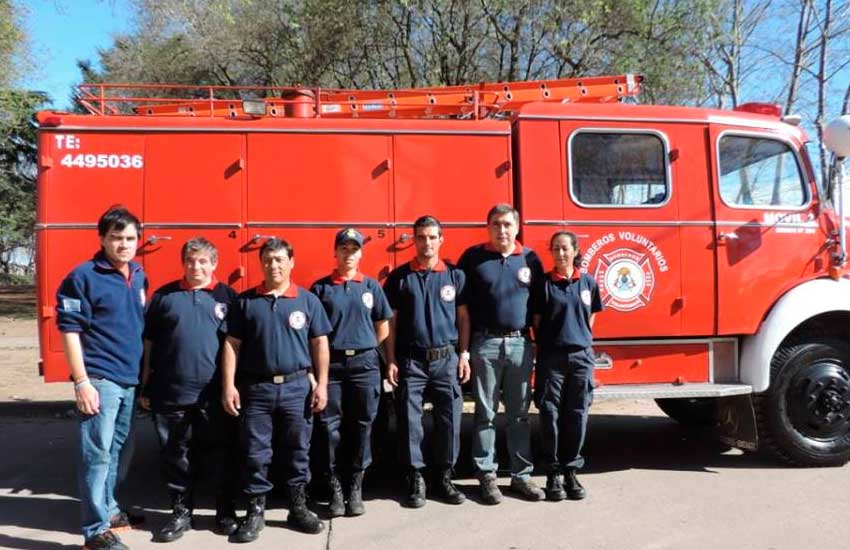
<point>484,100</point>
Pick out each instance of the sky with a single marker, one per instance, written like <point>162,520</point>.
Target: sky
<point>63,31</point>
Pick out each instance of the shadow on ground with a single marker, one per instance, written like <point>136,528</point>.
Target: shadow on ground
<point>37,473</point>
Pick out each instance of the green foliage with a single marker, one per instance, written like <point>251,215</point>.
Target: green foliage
<point>393,44</point>
<point>11,40</point>
<point>17,168</point>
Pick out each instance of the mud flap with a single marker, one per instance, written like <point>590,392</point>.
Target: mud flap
<point>737,422</point>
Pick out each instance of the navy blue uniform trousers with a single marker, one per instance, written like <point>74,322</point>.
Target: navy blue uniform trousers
<point>188,434</point>
<point>354,389</point>
<point>277,421</point>
<point>439,380</point>
<point>564,388</point>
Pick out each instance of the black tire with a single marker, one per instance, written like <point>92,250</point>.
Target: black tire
<point>692,412</point>
<point>804,416</point>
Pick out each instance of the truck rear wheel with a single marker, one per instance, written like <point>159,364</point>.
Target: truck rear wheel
<point>694,411</point>
<point>804,417</point>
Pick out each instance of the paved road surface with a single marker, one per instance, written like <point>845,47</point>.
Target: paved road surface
<point>652,485</point>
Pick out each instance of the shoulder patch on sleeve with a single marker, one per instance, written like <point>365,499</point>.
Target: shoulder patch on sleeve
<point>71,305</point>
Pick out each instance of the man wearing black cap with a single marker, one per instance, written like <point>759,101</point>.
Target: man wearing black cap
<point>359,313</point>
<point>276,335</point>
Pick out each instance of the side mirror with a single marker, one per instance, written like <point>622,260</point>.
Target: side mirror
<point>836,136</point>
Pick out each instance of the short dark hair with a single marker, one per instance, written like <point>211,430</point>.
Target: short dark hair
<point>274,245</point>
<point>501,209</point>
<point>427,221</point>
<point>573,240</point>
<point>116,218</point>
<point>199,244</point>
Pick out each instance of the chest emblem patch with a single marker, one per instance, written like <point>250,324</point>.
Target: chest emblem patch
<point>142,297</point>
<point>297,320</point>
<point>524,275</point>
<point>368,300</point>
<point>585,297</point>
<point>447,293</point>
<point>220,310</point>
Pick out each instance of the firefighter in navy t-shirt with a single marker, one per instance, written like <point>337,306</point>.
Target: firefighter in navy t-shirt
<point>566,302</point>
<point>276,335</point>
<point>182,386</point>
<point>430,323</point>
<point>359,314</point>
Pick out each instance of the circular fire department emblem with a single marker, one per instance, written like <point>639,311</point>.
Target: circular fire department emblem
<point>220,310</point>
<point>625,279</point>
<point>524,275</point>
<point>447,293</point>
<point>368,300</point>
<point>297,320</point>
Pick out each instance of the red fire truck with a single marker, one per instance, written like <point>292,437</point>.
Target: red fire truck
<point>718,255</point>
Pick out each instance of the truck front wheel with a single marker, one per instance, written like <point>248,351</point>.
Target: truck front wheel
<point>694,411</point>
<point>804,417</point>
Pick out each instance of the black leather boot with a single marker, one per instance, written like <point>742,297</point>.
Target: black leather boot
<point>446,490</point>
<point>180,520</point>
<point>300,517</point>
<point>415,490</point>
<point>355,496</point>
<point>575,491</point>
<point>336,507</point>
<point>555,487</point>
<point>225,516</point>
<point>254,521</point>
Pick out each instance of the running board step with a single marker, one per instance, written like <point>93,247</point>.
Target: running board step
<point>655,391</point>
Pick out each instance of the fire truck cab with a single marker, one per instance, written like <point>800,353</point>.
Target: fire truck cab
<point>718,256</point>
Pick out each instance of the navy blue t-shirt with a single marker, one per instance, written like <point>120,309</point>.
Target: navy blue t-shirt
<point>275,331</point>
<point>183,325</point>
<point>353,307</point>
<point>498,289</point>
<point>565,306</point>
<point>108,311</point>
<point>426,301</point>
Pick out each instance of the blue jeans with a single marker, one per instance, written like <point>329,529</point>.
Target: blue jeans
<point>501,370</point>
<point>102,437</point>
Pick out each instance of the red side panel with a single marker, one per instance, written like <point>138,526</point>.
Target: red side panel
<point>193,178</point>
<point>305,187</point>
<point>85,173</point>
<point>654,363</point>
<point>456,178</point>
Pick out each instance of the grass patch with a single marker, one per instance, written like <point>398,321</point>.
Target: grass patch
<point>17,302</point>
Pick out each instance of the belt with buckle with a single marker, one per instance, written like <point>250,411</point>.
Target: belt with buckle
<point>505,333</point>
<point>282,378</point>
<point>431,354</point>
<point>340,355</point>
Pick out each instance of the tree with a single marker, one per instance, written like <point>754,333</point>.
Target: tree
<point>17,140</point>
<point>410,43</point>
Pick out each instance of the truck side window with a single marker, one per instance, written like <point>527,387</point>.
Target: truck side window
<point>757,171</point>
<point>613,168</point>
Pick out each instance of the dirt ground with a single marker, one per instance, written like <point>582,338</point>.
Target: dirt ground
<point>20,381</point>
